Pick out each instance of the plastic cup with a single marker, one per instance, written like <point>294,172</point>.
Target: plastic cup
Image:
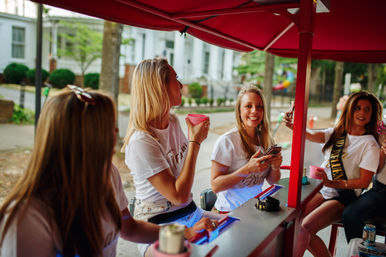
<point>186,253</point>
<point>196,118</point>
<point>313,170</point>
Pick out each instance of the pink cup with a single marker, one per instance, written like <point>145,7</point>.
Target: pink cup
<point>314,170</point>
<point>196,118</point>
<point>158,253</point>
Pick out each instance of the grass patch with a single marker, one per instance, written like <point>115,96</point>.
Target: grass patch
<point>184,110</point>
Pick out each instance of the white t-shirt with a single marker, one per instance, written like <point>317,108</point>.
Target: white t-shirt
<point>37,234</point>
<point>381,175</point>
<point>358,152</point>
<point>145,157</point>
<point>228,151</point>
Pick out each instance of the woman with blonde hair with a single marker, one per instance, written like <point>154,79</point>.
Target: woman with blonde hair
<point>70,200</point>
<point>239,166</point>
<point>351,157</point>
<point>161,159</point>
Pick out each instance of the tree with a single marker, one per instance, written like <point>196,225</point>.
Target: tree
<point>268,80</point>
<point>338,86</point>
<point>372,73</point>
<point>83,44</point>
<point>109,77</point>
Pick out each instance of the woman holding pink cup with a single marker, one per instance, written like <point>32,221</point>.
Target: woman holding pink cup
<point>351,157</point>
<point>196,118</point>
<point>314,171</point>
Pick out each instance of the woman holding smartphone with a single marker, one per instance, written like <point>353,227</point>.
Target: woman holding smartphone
<point>239,163</point>
<point>351,157</point>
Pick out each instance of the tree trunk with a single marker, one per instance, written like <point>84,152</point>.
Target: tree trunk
<point>268,80</point>
<point>372,77</point>
<point>109,77</point>
<point>338,86</point>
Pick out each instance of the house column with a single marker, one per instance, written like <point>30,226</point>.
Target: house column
<point>228,65</point>
<point>213,63</point>
<point>197,63</point>
<point>179,54</point>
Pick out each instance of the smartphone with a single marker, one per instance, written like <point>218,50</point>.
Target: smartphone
<point>273,149</point>
<point>291,110</point>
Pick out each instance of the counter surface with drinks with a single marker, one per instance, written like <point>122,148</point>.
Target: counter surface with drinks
<point>258,233</point>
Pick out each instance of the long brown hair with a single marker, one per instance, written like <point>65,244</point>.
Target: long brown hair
<point>346,118</point>
<point>69,171</point>
<point>263,135</point>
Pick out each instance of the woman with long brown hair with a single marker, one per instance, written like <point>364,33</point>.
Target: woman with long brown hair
<point>239,167</point>
<point>70,200</point>
<point>351,157</point>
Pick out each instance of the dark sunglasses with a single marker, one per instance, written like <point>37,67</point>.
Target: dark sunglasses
<point>82,94</point>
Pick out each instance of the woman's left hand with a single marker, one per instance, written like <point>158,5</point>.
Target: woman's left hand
<point>203,224</point>
<point>276,161</point>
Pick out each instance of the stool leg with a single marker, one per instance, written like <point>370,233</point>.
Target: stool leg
<point>333,236</point>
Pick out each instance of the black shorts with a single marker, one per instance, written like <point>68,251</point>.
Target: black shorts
<point>345,197</point>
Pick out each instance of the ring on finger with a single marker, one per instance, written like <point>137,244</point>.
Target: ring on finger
<point>213,224</point>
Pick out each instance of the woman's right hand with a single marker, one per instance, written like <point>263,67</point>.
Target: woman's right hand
<point>198,132</point>
<point>288,119</point>
<point>257,163</point>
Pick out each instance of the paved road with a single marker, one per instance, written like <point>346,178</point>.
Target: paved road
<point>14,136</point>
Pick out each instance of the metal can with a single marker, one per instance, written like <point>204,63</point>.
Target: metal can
<point>171,238</point>
<point>369,233</point>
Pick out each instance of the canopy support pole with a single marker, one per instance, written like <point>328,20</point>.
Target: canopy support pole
<point>306,29</point>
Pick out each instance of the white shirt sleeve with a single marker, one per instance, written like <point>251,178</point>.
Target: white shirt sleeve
<point>223,151</point>
<point>144,157</point>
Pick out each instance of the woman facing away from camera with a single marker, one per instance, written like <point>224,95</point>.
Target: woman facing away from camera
<point>351,156</point>
<point>70,200</point>
<point>239,167</point>
<point>161,159</point>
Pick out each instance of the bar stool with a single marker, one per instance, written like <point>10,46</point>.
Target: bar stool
<point>379,222</point>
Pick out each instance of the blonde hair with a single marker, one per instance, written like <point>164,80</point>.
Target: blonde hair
<point>70,170</point>
<point>263,135</point>
<point>149,97</point>
<point>346,118</point>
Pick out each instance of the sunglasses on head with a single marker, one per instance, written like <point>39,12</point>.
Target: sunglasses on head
<point>82,94</point>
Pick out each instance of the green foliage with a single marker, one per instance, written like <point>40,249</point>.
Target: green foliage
<point>31,75</point>
<point>182,102</point>
<point>231,100</point>
<point>220,101</point>
<point>15,72</point>
<point>84,45</point>
<point>253,63</point>
<point>91,80</point>
<point>211,101</point>
<point>195,90</point>
<point>204,100</point>
<point>62,77</point>
<point>190,101</point>
<point>197,101</point>
<point>22,115</point>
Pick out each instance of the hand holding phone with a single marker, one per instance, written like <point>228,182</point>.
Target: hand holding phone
<point>290,112</point>
<point>273,150</point>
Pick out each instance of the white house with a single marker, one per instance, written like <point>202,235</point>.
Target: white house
<point>193,59</point>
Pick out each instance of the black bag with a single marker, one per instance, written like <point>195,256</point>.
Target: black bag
<point>207,199</point>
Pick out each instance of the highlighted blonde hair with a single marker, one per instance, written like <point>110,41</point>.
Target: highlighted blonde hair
<point>149,98</point>
<point>263,135</point>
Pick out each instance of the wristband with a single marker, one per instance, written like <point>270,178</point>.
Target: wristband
<point>192,141</point>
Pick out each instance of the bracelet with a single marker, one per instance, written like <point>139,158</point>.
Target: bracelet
<point>192,141</point>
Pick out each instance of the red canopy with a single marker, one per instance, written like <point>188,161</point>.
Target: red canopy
<point>349,31</point>
<point>352,30</point>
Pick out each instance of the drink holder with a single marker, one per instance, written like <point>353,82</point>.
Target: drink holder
<point>269,204</point>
